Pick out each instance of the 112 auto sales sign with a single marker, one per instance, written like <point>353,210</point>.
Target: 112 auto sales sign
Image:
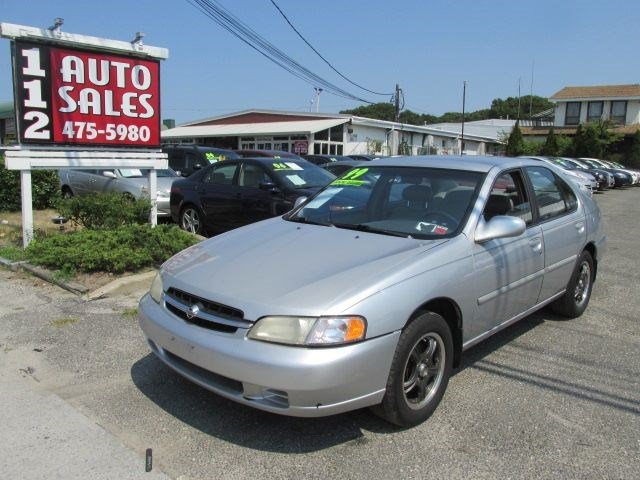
<point>77,97</point>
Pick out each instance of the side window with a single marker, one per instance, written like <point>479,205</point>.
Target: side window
<point>252,176</point>
<point>176,160</point>
<point>191,160</point>
<point>221,174</point>
<point>553,195</point>
<point>509,197</point>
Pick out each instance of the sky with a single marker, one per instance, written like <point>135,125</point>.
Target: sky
<point>428,47</point>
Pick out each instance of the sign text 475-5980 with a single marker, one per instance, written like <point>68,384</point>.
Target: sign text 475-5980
<point>70,96</point>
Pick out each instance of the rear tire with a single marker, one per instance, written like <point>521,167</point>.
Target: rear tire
<point>419,373</point>
<point>66,193</point>
<point>576,298</point>
<point>191,220</point>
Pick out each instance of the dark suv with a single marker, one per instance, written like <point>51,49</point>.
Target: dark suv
<point>187,158</point>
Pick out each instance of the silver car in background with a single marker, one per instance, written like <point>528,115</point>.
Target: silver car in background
<point>128,181</point>
<point>368,293</point>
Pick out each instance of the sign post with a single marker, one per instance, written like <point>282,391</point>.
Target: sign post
<point>83,102</point>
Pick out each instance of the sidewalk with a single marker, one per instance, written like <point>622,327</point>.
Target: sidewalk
<point>41,435</point>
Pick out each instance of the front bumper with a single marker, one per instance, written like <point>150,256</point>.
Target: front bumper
<point>304,382</point>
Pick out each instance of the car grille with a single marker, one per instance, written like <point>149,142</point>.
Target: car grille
<point>210,315</point>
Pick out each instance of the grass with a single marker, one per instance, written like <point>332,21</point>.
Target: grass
<point>12,253</point>
<point>61,322</point>
<point>11,226</point>
<point>130,313</point>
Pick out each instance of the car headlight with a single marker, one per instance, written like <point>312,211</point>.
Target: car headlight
<point>156,288</point>
<point>309,330</point>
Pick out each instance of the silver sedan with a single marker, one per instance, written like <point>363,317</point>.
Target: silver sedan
<point>368,293</point>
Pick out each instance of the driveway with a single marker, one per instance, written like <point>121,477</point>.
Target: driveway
<point>546,398</point>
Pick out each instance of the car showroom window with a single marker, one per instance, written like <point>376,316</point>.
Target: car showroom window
<point>221,174</point>
<point>509,197</point>
<point>553,195</point>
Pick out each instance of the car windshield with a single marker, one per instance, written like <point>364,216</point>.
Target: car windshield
<point>136,172</point>
<point>300,174</point>
<point>401,201</point>
<point>130,172</point>
<point>560,162</point>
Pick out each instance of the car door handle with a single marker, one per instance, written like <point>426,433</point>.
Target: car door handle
<point>580,227</point>
<point>536,245</point>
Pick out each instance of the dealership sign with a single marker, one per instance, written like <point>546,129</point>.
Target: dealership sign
<point>83,102</point>
<point>83,97</point>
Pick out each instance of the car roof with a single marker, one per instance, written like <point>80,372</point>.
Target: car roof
<point>269,153</point>
<point>267,160</point>
<point>468,162</point>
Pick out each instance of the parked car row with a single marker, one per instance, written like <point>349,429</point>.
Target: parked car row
<point>228,189</point>
<point>593,174</point>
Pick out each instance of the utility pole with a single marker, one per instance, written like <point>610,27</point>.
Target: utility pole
<point>518,98</point>
<point>318,92</point>
<point>397,104</point>
<point>464,95</point>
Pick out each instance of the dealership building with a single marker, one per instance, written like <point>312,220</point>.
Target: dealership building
<point>334,134</point>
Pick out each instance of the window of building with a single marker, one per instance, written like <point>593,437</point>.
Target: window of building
<point>572,115</point>
<point>594,111</point>
<point>619,112</point>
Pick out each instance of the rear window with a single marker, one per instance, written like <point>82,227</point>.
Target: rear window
<point>300,175</point>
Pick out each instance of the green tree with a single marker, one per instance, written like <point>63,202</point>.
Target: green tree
<point>633,154</point>
<point>380,111</point>
<point>551,146</point>
<point>508,108</point>
<point>594,140</point>
<point>499,109</point>
<point>515,144</point>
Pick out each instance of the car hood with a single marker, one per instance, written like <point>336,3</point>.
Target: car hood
<point>280,267</point>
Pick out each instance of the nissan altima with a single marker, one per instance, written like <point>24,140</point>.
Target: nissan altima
<point>368,292</point>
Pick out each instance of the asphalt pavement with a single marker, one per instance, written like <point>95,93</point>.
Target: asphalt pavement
<point>82,397</point>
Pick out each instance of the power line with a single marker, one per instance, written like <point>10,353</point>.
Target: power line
<point>320,55</point>
<point>244,33</point>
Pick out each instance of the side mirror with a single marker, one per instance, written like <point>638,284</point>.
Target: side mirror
<point>299,201</point>
<point>108,174</point>
<point>500,226</point>
<point>269,187</point>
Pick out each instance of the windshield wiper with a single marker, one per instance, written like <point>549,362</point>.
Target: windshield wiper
<point>361,227</point>
<point>309,222</point>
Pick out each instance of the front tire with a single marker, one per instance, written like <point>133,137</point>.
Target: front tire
<point>420,371</point>
<point>576,298</point>
<point>191,220</point>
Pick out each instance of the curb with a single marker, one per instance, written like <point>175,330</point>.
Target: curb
<point>75,287</point>
<point>44,274</point>
<point>104,290</point>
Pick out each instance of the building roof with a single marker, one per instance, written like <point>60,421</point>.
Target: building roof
<point>264,128</point>
<point>598,91</point>
<point>273,122</point>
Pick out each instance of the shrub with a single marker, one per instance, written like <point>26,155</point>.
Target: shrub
<point>44,188</point>
<point>100,211</point>
<point>127,248</point>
